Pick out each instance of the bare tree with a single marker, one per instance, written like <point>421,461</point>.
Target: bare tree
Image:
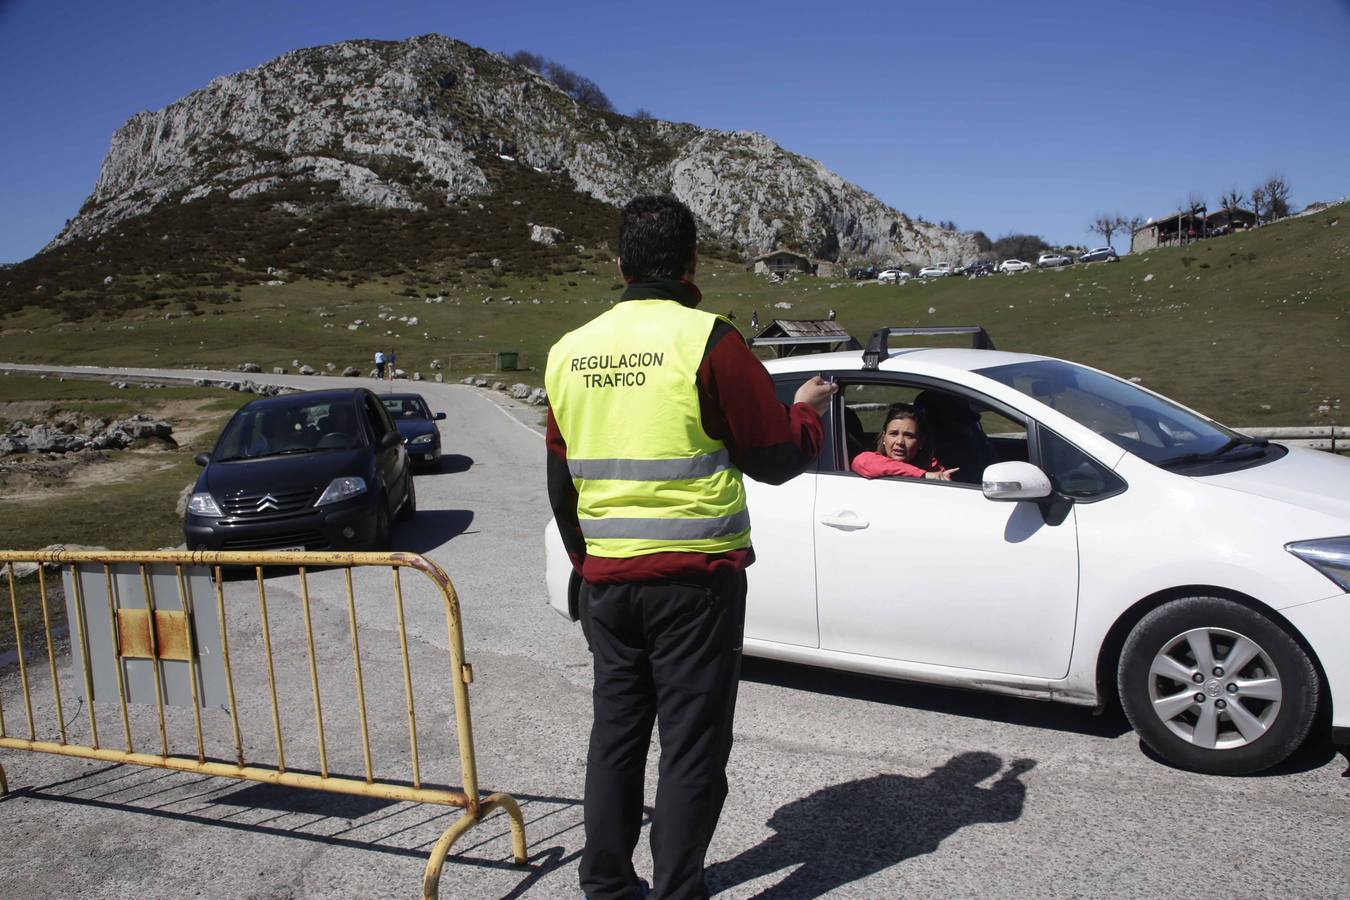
<point>531,61</point>
<point>1195,206</point>
<point>1231,200</point>
<point>1276,191</point>
<point>1107,224</point>
<point>1259,204</point>
<point>578,87</point>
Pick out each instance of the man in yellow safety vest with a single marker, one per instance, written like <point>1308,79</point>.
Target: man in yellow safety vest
<point>655,410</point>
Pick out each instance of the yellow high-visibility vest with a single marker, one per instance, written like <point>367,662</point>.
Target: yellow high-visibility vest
<point>649,479</point>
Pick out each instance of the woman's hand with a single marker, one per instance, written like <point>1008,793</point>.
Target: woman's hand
<point>941,476</point>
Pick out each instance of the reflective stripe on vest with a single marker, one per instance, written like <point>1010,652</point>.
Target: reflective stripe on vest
<point>666,529</point>
<point>650,469</point>
<point>649,479</point>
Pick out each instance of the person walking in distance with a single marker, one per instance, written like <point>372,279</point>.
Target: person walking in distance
<point>393,369</point>
<point>379,364</point>
<point>655,410</point>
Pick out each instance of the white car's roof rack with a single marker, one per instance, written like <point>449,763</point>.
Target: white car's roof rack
<point>878,347</point>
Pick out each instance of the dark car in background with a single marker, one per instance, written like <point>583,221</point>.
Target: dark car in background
<point>979,268</point>
<point>313,470</point>
<point>1101,254</point>
<point>863,273</point>
<point>416,422</point>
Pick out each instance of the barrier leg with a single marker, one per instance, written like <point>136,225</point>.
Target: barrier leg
<point>508,803</point>
<point>431,878</point>
<point>4,785</point>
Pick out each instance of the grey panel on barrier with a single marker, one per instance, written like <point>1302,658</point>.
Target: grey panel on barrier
<point>139,674</point>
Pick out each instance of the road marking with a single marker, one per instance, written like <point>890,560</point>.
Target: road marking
<point>499,408</point>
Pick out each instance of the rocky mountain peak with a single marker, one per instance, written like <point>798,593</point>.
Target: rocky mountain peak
<point>419,123</point>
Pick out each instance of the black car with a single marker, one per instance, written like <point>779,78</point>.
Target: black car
<point>417,424</point>
<point>314,470</point>
<point>1101,254</point>
<point>863,273</point>
<point>979,268</point>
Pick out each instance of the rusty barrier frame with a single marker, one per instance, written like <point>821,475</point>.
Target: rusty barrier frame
<point>171,638</point>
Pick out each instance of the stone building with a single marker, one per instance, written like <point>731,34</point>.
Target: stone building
<point>784,262</point>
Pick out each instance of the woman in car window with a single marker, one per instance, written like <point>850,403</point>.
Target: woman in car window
<point>902,449</point>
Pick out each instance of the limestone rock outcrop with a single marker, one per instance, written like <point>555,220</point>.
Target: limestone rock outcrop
<point>398,125</point>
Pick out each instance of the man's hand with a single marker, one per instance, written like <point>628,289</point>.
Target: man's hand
<point>816,394</point>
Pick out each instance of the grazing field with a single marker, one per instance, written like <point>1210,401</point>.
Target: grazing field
<point>111,498</point>
<point>1251,328</point>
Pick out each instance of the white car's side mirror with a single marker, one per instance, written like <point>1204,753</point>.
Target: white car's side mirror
<point>1015,481</point>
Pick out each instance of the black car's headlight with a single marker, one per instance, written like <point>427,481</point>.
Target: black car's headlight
<point>422,439</point>
<point>1330,556</point>
<point>204,505</point>
<point>339,489</point>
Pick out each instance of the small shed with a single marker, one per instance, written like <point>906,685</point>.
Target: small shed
<point>784,262</point>
<point>794,337</point>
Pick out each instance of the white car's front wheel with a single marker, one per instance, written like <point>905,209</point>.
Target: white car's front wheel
<point>1214,686</point>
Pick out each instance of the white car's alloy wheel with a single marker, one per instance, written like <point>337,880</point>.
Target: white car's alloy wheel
<point>1215,688</point>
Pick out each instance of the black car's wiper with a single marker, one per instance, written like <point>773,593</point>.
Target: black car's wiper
<point>1216,453</point>
<point>286,452</point>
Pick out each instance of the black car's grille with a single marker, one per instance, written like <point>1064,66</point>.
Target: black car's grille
<point>310,540</point>
<point>260,504</point>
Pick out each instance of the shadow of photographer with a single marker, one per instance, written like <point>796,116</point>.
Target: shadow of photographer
<point>849,831</point>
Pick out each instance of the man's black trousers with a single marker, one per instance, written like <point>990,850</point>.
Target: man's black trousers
<point>669,652</point>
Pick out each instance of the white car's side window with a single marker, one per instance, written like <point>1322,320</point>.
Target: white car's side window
<point>948,432</point>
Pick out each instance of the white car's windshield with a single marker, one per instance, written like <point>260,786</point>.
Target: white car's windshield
<point>1131,418</point>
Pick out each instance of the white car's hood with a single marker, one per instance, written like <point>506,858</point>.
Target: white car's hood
<point>1311,479</point>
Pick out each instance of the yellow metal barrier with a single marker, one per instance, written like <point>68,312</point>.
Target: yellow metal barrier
<point>157,635</point>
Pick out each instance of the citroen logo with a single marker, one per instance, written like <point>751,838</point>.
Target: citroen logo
<point>268,502</point>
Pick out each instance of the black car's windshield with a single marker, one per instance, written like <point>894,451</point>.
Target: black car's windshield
<point>281,429</point>
<point>1131,418</point>
<point>406,408</point>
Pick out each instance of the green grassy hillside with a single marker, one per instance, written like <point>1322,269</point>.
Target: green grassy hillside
<point>1251,328</point>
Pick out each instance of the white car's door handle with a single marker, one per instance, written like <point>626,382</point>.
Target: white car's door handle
<point>845,521</point>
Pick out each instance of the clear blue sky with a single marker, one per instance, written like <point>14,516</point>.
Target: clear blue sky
<point>998,116</point>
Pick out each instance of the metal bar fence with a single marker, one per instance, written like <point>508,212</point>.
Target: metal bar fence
<point>159,635</point>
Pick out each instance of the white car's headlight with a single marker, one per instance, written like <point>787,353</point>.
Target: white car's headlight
<point>340,489</point>
<point>423,439</point>
<point>1330,556</point>
<point>204,505</point>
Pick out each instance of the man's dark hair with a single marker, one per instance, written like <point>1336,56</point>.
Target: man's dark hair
<point>657,238</point>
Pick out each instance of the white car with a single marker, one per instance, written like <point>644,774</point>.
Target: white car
<point>1014,265</point>
<point>1051,260</point>
<point>1098,541</point>
<point>893,276</point>
<point>937,270</point>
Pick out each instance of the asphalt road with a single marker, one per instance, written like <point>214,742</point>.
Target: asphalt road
<point>840,785</point>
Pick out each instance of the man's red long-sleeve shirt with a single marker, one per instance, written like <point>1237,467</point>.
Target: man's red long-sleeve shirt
<point>769,441</point>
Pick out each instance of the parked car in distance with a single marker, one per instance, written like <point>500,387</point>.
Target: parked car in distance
<point>1098,543</point>
<point>307,471</point>
<point>979,268</point>
<point>1101,254</point>
<point>863,273</point>
<point>1051,260</point>
<point>1013,265</point>
<point>415,421</point>
<point>893,276</point>
<point>936,270</point>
